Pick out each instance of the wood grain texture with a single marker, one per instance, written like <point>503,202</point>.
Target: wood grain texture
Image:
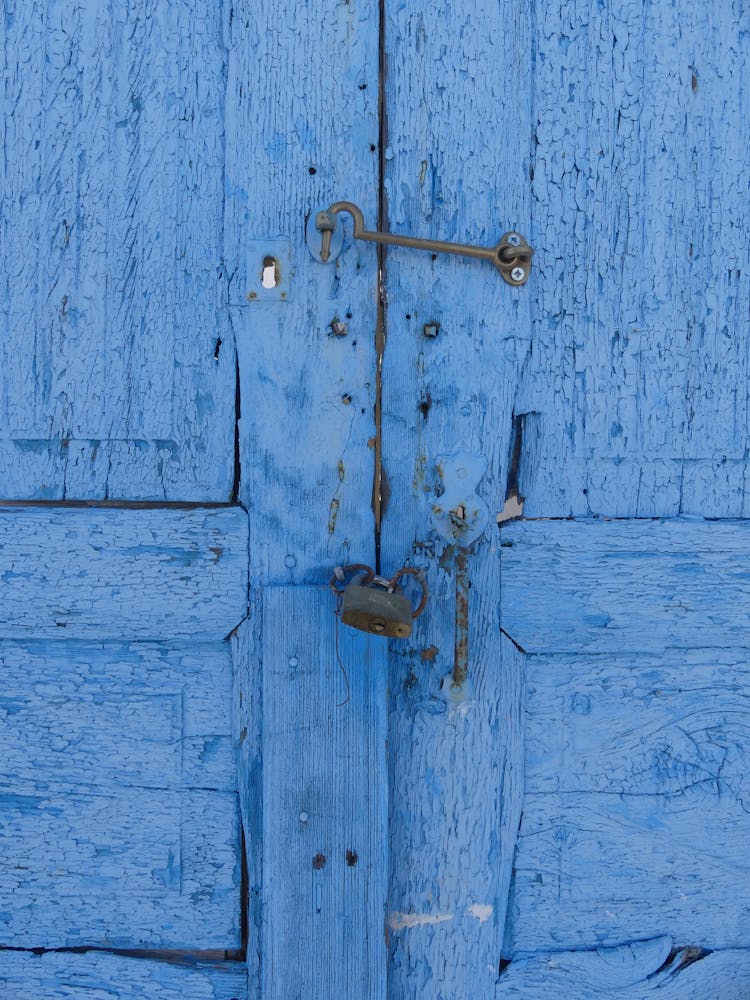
<point>116,977</point>
<point>625,586</point>
<point>132,868</point>
<point>323,802</point>
<point>456,168</point>
<point>301,133</point>
<point>119,824</point>
<point>113,289</point>
<point>635,816</point>
<point>636,383</point>
<point>457,785</point>
<point>112,715</point>
<point>636,971</point>
<point>106,574</point>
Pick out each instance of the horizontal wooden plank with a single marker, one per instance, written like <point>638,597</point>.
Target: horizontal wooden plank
<point>674,724</point>
<point>633,971</point>
<point>66,976</point>
<point>113,573</point>
<point>113,715</point>
<point>601,586</point>
<point>129,868</point>
<point>598,868</point>
<point>635,815</point>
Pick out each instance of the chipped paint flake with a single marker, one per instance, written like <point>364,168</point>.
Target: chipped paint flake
<point>405,921</point>
<point>481,911</point>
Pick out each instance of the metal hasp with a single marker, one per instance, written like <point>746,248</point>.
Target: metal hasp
<point>512,255</point>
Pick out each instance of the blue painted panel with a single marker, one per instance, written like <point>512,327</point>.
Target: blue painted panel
<point>634,814</point>
<point>636,384</point>
<point>119,817</point>
<point>113,574</point>
<point>116,977</point>
<point>633,585</point>
<point>636,971</point>
<point>116,356</point>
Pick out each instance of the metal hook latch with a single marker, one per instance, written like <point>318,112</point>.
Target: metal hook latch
<point>512,255</point>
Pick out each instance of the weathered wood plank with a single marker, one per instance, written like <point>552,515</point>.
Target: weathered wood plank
<point>634,971</point>
<point>635,815</point>
<point>126,867</point>
<point>675,724</point>
<point>455,826</point>
<point>116,977</point>
<point>118,369</point>
<point>105,573</point>
<point>307,395</point>
<point>637,382</point>
<point>625,586</point>
<point>456,168</point>
<point>301,132</point>
<point>324,802</point>
<point>247,715</point>
<point>114,715</point>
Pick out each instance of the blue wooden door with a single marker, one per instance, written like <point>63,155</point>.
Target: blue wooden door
<point>212,795</point>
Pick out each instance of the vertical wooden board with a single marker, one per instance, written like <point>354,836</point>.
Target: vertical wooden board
<point>66,976</point>
<point>324,802</point>
<point>456,168</point>
<point>457,785</point>
<point>115,383</point>
<point>638,371</point>
<point>302,132</point>
<point>635,971</point>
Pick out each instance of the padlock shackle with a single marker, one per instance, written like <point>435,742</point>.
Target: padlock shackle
<point>420,576</point>
<point>339,575</point>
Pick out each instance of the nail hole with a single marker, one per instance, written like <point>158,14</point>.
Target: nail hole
<point>319,862</point>
<point>270,277</point>
<point>312,171</point>
<point>352,858</point>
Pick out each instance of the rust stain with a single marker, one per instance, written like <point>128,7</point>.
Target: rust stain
<point>461,655</point>
<point>332,515</point>
<point>429,654</point>
<point>342,471</point>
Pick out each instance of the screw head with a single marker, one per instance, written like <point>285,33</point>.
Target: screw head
<point>518,274</point>
<point>377,625</point>
<point>513,240</point>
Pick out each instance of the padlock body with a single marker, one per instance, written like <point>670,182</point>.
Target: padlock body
<point>372,609</point>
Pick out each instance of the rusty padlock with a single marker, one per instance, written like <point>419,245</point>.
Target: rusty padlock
<point>370,603</point>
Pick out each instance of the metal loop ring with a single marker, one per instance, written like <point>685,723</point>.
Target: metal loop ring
<point>420,577</point>
<point>353,568</point>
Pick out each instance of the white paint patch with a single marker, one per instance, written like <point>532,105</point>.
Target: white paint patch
<point>481,911</point>
<point>399,921</point>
